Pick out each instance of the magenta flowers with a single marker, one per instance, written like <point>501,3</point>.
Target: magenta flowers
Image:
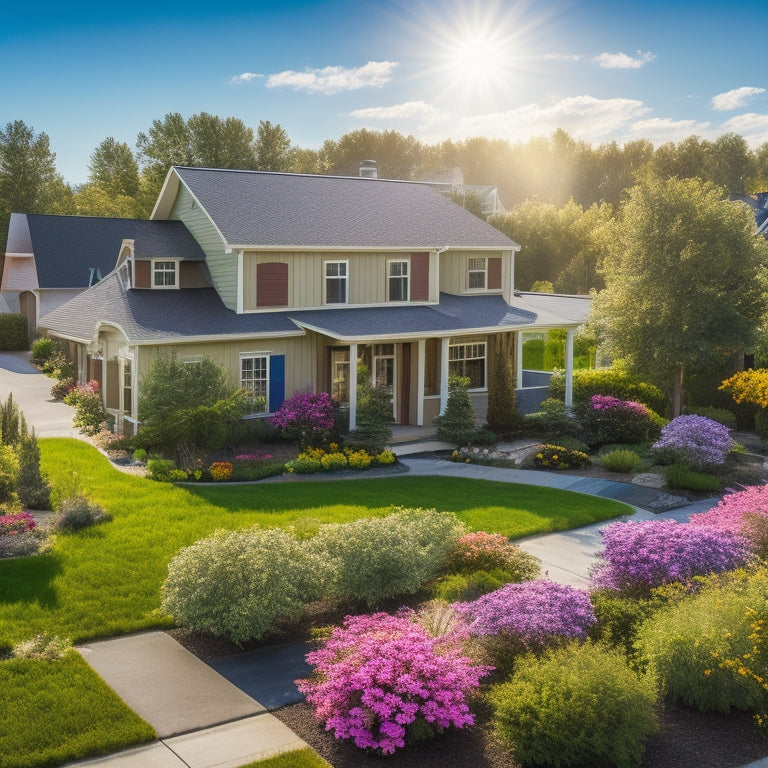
<point>640,556</point>
<point>378,674</point>
<point>306,417</point>
<point>534,612</point>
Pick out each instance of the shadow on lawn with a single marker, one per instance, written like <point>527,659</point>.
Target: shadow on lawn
<point>30,580</point>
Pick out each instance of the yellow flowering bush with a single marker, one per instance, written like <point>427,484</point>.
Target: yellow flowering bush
<point>358,459</point>
<point>750,386</point>
<point>221,471</point>
<point>385,457</point>
<point>333,461</point>
<point>559,457</point>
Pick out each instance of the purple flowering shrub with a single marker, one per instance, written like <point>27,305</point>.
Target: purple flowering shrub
<point>609,420</point>
<point>378,676</point>
<point>637,557</point>
<point>535,614</point>
<point>697,441</point>
<point>743,513</point>
<point>306,417</point>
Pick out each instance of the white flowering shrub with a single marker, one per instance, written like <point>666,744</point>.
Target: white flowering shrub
<point>237,584</point>
<point>382,557</point>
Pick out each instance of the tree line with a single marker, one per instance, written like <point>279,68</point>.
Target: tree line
<point>559,193</point>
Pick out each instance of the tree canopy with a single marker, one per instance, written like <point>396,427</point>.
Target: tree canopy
<point>684,281</point>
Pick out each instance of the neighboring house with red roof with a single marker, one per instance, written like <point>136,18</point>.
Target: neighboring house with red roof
<point>289,279</point>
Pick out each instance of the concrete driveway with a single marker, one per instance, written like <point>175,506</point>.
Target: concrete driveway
<point>32,391</point>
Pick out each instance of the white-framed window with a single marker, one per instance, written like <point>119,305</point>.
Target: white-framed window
<point>477,273</point>
<point>254,379</point>
<point>340,374</point>
<point>468,358</point>
<point>127,394</point>
<point>336,282</point>
<point>398,280</point>
<point>165,273</point>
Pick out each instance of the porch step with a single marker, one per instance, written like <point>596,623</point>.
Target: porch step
<point>408,434</point>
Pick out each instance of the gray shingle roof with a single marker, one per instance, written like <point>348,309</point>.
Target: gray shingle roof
<point>67,247</point>
<point>148,316</point>
<point>255,208</point>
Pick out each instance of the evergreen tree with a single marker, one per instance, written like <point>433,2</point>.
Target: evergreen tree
<point>33,489</point>
<point>457,424</point>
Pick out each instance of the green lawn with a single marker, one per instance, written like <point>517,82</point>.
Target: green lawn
<point>106,580</point>
<point>300,758</point>
<point>54,711</point>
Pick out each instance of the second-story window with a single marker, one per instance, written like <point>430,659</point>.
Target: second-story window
<point>397,285</point>
<point>336,280</point>
<point>164,274</point>
<point>477,270</point>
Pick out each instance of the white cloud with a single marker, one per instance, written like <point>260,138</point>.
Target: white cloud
<point>753,127</point>
<point>245,77</point>
<point>582,117</point>
<point>563,56</point>
<point>663,129</point>
<point>409,109</point>
<point>330,80</point>
<point>622,61</point>
<point>736,98</point>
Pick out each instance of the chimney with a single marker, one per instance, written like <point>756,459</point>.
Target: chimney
<point>368,169</point>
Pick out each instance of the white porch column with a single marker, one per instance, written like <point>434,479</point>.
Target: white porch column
<point>569,368</point>
<point>519,360</point>
<point>420,364</point>
<point>445,342</point>
<point>352,386</point>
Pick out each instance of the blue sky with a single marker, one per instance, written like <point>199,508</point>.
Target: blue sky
<point>603,71</point>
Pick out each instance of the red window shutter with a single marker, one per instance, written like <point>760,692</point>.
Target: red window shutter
<point>272,284</point>
<point>494,274</point>
<point>419,277</point>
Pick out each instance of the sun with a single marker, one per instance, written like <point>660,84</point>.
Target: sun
<point>479,59</point>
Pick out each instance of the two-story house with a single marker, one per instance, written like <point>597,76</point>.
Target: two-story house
<point>292,279</point>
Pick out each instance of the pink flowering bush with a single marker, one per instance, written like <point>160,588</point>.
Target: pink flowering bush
<point>696,441</point>
<point>610,420</point>
<point>742,513</point>
<point>20,522</point>
<point>639,556</point>
<point>380,676</point>
<point>306,417</point>
<point>536,614</point>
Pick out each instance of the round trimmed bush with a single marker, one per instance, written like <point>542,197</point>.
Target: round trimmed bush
<point>577,705</point>
<point>238,584</point>
<point>77,513</point>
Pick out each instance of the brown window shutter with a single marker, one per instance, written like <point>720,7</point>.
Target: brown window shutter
<point>272,284</point>
<point>494,274</point>
<point>141,274</point>
<point>419,277</point>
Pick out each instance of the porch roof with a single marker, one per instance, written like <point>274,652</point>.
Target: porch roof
<point>156,317</point>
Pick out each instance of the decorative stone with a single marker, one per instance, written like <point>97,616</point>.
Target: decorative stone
<point>649,480</point>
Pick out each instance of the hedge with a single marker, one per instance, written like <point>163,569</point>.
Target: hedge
<point>14,335</point>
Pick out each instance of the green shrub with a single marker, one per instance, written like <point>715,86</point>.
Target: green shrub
<point>374,415</point>
<point>239,584</point>
<point>464,587</point>
<point>14,335</point>
<point>761,423</point>
<point>13,427</point>
<point>580,705</point>
<point>457,423</point>
<point>160,470</point>
<point>33,489</point>
<point>621,461</point>
<point>552,419</point>
<point>9,473</point>
<point>618,618</point>
<point>77,513</point>
<point>481,551</point>
<point>90,413</point>
<point>58,365</point>
<point>721,415</point>
<point>42,349</point>
<point>609,381</point>
<point>683,645</point>
<point>246,470</point>
<point>140,454</point>
<point>379,558</point>
<point>62,388</point>
<point>680,477</point>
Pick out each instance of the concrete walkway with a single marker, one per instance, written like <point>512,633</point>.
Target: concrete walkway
<point>32,392</point>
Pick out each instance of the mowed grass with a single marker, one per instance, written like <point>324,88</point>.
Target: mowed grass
<point>106,580</point>
<point>54,711</point>
<point>299,758</point>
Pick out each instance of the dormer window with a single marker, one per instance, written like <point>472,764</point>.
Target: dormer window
<point>165,273</point>
<point>397,281</point>
<point>477,270</point>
